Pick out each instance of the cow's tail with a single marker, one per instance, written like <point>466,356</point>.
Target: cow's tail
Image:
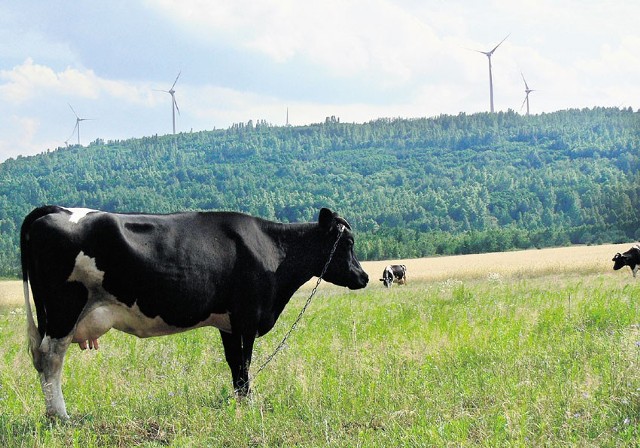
<point>33,335</point>
<point>34,338</point>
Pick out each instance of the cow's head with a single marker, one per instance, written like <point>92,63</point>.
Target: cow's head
<point>619,261</point>
<point>344,269</point>
<point>387,277</point>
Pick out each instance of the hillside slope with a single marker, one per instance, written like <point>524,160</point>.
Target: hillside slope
<point>410,188</point>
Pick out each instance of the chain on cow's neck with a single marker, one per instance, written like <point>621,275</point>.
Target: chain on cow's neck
<point>306,305</point>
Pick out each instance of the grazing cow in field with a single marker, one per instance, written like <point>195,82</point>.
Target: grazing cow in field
<point>394,273</point>
<point>153,275</point>
<point>629,258</point>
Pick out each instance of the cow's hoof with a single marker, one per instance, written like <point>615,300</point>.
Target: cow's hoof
<point>242,392</point>
<point>57,416</point>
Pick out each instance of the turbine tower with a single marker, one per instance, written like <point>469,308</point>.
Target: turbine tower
<point>174,104</point>
<point>77,126</point>
<point>527,91</point>
<point>489,54</point>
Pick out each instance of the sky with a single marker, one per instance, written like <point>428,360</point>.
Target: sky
<point>242,60</point>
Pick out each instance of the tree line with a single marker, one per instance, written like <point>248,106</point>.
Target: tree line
<point>409,187</point>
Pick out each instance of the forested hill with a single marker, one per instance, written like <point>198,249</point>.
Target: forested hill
<point>409,187</point>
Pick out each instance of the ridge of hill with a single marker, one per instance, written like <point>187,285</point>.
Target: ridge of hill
<point>410,187</point>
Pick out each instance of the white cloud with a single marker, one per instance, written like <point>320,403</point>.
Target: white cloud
<point>19,135</point>
<point>31,80</point>
<point>344,38</point>
<point>24,80</point>
<point>619,61</point>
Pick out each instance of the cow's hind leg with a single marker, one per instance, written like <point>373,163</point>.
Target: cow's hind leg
<point>238,350</point>
<point>52,351</point>
<point>63,305</point>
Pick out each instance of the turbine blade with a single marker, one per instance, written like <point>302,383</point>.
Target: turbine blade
<point>175,103</point>
<point>74,112</point>
<point>72,132</point>
<point>525,81</point>
<point>473,49</point>
<point>486,53</point>
<point>496,47</point>
<point>174,82</point>
<point>524,101</point>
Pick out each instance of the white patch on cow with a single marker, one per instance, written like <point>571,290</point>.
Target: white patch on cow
<point>86,272</point>
<point>104,311</point>
<point>113,314</point>
<point>78,213</point>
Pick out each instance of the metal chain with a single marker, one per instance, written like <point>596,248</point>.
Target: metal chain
<point>306,305</point>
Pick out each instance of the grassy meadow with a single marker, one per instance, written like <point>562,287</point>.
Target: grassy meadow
<point>530,348</point>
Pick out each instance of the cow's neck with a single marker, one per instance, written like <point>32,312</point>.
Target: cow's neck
<point>302,259</point>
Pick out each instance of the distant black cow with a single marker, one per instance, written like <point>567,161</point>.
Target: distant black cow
<point>394,273</point>
<point>153,275</point>
<point>629,258</point>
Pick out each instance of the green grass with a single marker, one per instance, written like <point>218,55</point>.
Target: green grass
<point>549,361</point>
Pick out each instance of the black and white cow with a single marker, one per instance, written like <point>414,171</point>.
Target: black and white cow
<point>153,275</point>
<point>629,258</point>
<point>394,273</point>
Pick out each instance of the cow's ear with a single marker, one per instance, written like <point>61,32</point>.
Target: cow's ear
<point>326,219</point>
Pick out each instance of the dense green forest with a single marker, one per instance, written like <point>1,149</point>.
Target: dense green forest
<point>409,187</point>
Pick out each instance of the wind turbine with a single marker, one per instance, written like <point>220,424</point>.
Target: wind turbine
<point>527,91</point>
<point>77,126</point>
<point>174,104</point>
<point>489,54</point>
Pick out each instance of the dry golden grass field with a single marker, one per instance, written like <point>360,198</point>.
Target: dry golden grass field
<point>11,292</point>
<point>523,263</point>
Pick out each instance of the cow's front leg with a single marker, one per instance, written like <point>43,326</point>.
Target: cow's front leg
<point>238,350</point>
